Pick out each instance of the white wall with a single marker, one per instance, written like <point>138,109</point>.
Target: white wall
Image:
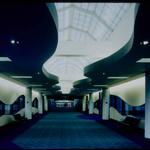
<point>132,92</point>
<point>10,91</point>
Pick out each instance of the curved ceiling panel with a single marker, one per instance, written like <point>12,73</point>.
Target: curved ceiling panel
<point>134,63</point>
<point>85,31</point>
<point>84,86</point>
<point>90,70</point>
<point>67,68</point>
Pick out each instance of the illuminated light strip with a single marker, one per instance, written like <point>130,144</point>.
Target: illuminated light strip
<point>17,77</point>
<point>5,59</point>
<point>143,60</point>
<point>117,77</point>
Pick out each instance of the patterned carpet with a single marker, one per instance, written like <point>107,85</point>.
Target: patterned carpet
<point>68,130</point>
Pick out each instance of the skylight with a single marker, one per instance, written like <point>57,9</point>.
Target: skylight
<point>92,21</point>
<point>82,27</point>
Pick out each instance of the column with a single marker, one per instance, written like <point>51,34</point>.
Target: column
<point>28,103</point>
<point>105,103</point>
<point>40,104</point>
<point>147,106</point>
<point>91,103</point>
<point>84,103</point>
<point>100,103</point>
<point>45,103</point>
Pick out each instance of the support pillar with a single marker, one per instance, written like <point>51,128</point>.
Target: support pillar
<point>147,106</point>
<point>91,103</point>
<point>45,103</point>
<point>84,104</point>
<point>105,103</point>
<point>28,103</point>
<point>40,104</point>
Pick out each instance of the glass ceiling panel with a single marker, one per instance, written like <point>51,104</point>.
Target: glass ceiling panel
<point>99,9</point>
<point>90,16</point>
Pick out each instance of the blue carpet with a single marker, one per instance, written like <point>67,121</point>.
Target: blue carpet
<point>68,130</point>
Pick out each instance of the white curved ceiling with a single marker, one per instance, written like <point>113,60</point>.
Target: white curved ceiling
<point>81,26</point>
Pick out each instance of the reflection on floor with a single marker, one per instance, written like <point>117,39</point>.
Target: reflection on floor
<point>70,130</point>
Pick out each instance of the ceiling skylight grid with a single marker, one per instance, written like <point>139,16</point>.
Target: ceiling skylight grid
<point>83,15</point>
<point>82,22</point>
<point>99,9</point>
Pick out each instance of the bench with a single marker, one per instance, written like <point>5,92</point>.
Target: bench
<point>131,121</point>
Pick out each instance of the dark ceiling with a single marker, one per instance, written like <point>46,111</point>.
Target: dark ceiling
<point>28,36</point>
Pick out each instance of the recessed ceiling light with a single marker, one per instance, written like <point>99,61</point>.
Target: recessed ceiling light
<point>21,77</point>
<point>5,59</point>
<point>143,60</point>
<point>12,41</point>
<point>117,77</point>
<point>145,42</point>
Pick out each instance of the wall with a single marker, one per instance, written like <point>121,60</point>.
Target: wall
<point>10,91</point>
<point>132,92</point>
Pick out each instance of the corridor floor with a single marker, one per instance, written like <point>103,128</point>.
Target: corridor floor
<point>62,130</point>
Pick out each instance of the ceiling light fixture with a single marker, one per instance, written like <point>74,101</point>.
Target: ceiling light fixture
<point>145,42</point>
<point>12,41</point>
<point>117,77</point>
<point>143,60</point>
<point>5,59</point>
<point>17,77</point>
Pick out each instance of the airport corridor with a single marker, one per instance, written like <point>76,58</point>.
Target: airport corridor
<point>70,130</point>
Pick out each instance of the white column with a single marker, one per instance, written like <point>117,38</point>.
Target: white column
<point>91,103</point>
<point>105,103</point>
<point>40,104</point>
<point>84,103</point>
<point>45,103</point>
<point>147,106</point>
<point>28,103</point>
